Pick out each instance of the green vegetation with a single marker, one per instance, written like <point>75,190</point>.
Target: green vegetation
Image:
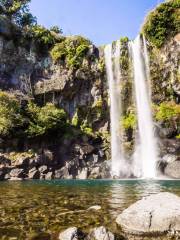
<point>124,40</point>
<point>17,11</point>
<point>42,37</point>
<point>124,58</point>
<point>178,136</point>
<point>72,50</point>
<point>56,29</point>
<point>167,111</point>
<point>45,119</point>
<point>10,114</point>
<point>163,23</point>
<point>129,121</point>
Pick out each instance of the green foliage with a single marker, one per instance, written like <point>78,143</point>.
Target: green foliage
<point>163,23</point>
<point>167,111</point>
<point>56,29</point>
<point>86,129</point>
<point>124,40</point>
<point>18,11</point>
<point>75,119</point>
<point>42,36</point>
<point>45,119</point>
<point>129,121</point>
<point>10,113</point>
<point>178,136</point>
<point>72,50</point>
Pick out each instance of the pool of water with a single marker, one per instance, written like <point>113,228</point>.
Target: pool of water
<point>30,208</point>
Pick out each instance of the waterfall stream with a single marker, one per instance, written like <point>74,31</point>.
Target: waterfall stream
<point>146,143</point>
<point>143,162</point>
<point>119,167</point>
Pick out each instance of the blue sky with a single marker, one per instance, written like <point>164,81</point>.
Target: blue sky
<point>102,21</point>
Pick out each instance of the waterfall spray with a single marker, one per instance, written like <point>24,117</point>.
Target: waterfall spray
<point>147,156</point>
<point>119,165</point>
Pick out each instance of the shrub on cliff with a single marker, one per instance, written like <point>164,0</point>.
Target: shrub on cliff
<point>168,111</point>
<point>129,121</point>
<point>10,113</point>
<point>162,23</point>
<point>45,119</point>
<point>72,51</point>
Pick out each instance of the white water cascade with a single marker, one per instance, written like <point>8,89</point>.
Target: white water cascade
<point>146,154</point>
<point>119,166</point>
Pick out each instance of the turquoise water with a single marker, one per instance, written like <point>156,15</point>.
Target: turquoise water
<point>30,208</point>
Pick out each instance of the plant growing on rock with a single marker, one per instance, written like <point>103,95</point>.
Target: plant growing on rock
<point>72,50</point>
<point>162,23</point>
<point>10,113</point>
<point>167,111</point>
<point>42,37</point>
<point>129,121</point>
<point>45,119</point>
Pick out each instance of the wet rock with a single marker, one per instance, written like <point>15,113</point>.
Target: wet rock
<point>17,173</point>
<point>34,174</point>
<point>83,174</point>
<point>71,233</point>
<point>3,172</point>
<point>170,158</point>
<point>86,149</point>
<point>49,176</point>
<point>43,169</point>
<point>95,173</point>
<point>62,173</point>
<point>21,161</point>
<point>173,169</point>
<point>153,215</point>
<point>100,233</point>
<point>4,162</point>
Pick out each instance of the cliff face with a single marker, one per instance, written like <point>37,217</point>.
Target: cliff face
<point>80,87</point>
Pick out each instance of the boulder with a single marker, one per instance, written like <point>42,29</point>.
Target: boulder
<point>17,173</point>
<point>83,174</point>
<point>4,162</point>
<point>72,233</point>
<point>49,176</point>
<point>43,169</point>
<point>100,233</point>
<point>34,173</point>
<point>62,173</point>
<point>173,169</point>
<point>154,215</point>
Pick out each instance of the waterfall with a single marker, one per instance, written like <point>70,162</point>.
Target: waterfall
<point>146,146</point>
<point>119,166</point>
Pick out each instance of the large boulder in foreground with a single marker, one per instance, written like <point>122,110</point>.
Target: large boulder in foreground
<point>152,216</point>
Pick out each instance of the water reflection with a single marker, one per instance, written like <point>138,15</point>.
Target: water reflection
<point>51,206</point>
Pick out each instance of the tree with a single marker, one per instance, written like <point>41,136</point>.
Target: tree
<point>56,29</point>
<point>17,11</point>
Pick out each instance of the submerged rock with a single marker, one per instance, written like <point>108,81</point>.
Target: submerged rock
<point>152,216</point>
<point>96,208</point>
<point>72,233</point>
<point>100,233</point>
